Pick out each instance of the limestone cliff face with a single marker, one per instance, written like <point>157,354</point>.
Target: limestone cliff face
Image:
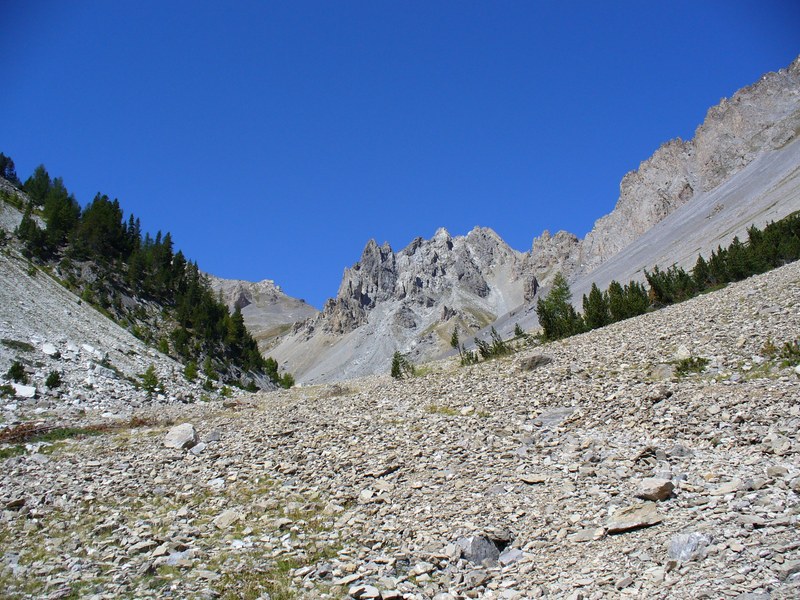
<point>759,118</point>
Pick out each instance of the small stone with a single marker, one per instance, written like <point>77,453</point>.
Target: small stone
<point>688,547</point>
<point>347,579</point>
<point>510,556</point>
<point>776,471</point>
<point>788,569</point>
<point>634,517</point>
<point>730,487</point>
<point>364,591</point>
<point>654,488</point>
<point>226,519</point>
<point>623,583</point>
<point>197,449</point>
<point>420,569</point>
<point>181,437</point>
<point>476,578</point>
<point>49,349</point>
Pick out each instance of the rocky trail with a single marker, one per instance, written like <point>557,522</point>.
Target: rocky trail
<point>595,467</point>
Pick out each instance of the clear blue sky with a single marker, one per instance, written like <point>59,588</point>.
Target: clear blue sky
<point>273,139</point>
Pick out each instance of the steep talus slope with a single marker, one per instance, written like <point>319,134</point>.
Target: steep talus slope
<point>49,329</point>
<point>408,301</point>
<point>266,309</point>
<point>411,489</point>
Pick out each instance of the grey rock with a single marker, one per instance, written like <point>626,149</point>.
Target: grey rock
<point>24,391</point>
<point>181,437</point>
<point>479,550</point>
<point>689,546</point>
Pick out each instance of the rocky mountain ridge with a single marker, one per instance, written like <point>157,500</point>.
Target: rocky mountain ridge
<point>739,169</point>
<point>409,301</point>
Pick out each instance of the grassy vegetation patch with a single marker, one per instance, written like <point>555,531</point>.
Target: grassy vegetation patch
<point>438,409</point>
<point>692,364</point>
<point>17,345</point>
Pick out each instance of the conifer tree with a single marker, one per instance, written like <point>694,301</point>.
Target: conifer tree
<point>556,314</point>
<point>595,309</point>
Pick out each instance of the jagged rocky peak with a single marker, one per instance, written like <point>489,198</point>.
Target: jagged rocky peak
<point>372,278</point>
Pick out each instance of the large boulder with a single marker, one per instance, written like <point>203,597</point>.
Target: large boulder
<point>181,437</point>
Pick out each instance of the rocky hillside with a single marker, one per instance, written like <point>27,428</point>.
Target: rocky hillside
<point>757,120</point>
<point>409,301</point>
<point>655,458</point>
<point>742,168</point>
<point>267,311</point>
<point>47,329</point>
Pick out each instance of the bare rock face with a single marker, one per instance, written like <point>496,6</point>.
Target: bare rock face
<point>551,254</point>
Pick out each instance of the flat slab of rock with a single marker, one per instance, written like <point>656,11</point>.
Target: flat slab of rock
<point>533,478</point>
<point>181,437</point>
<point>634,517</point>
<point>730,487</point>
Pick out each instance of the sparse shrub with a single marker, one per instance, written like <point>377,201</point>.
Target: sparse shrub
<point>518,332</point>
<point>286,380</point>
<point>468,357</point>
<point>16,372</point>
<point>769,349</point>
<point>226,392</point>
<point>53,380</point>
<point>454,342</point>
<point>497,347</point>
<point>790,353</point>
<point>190,370</point>
<point>401,366</point>
<point>6,390</point>
<point>163,345</point>
<point>17,345</point>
